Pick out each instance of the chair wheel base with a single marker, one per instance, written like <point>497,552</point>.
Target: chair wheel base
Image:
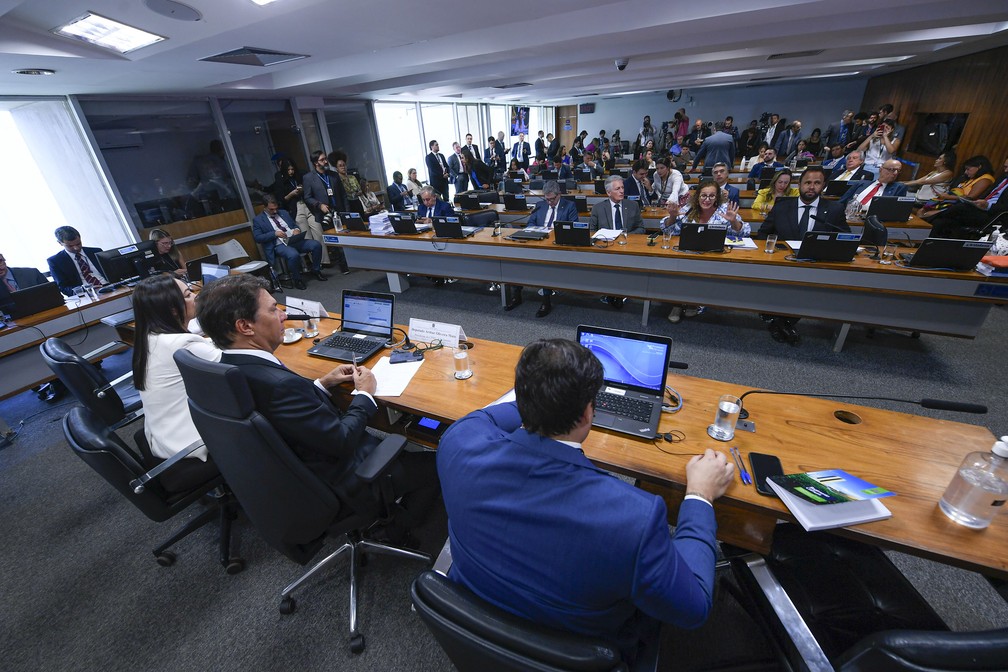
<point>356,644</point>
<point>288,606</point>
<point>165,558</point>
<point>234,566</point>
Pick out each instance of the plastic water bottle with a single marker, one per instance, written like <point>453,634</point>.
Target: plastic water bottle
<point>979,489</point>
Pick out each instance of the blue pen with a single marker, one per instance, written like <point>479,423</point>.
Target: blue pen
<point>743,474</point>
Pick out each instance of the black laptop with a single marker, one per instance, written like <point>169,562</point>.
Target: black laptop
<point>516,202</point>
<point>575,234</point>
<point>35,299</point>
<point>193,269</point>
<point>828,246</point>
<point>404,224</point>
<point>836,188</point>
<point>766,176</point>
<point>580,202</point>
<point>634,369</point>
<point>947,253</point>
<point>891,208</point>
<point>366,327</point>
<point>513,186</point>
<point>600,187</point>
<point>451,227</point>
<point>352,221</point>
<point>469,201</point>
<point>702,237</point>
<point>548,175</point>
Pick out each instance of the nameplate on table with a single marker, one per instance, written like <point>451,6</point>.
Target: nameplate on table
<point>330,239</point>
<point>306,307</point>
<point>426,331</point>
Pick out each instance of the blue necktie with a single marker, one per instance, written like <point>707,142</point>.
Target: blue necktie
<point>619,218</point>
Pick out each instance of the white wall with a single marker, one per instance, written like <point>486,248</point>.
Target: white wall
<point>816,103</point>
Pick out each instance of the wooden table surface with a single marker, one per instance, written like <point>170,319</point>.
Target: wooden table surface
<point>913,456</point>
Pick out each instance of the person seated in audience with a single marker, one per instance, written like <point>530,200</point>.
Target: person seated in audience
<point>708,204</point>
<point>163,306</point>
<point>852,169</point>
<point>607,163</point>
<point>612,574</point>
<point>432,206</point>
<point>769,160</point>
<point>76,265</point>
<point>168,257</point>
<point>638,185</point>
<point>668,183</point>
<point>481,176</point>
<point>563,170</point>
<point>590,164</point>
<point>937,180</point>
<point>515,167</point>
<point>399,195</point>
<point>413,183</point>
<point>697,136</point>
<point>356,193</point>
<point>14,280</point>
<point>801,153</point>
<point>840,133</point>
<point>977,177</point>
<point>880,146</point>
<point>244,321</point>
<point>836,159</point>
<point>749,141</point>
<point>885,185</point>
<point>970,220</point>
<point>719,171</point>
<point>780,186</point>
<point>814,146</point>
<point>649,160</point>
<point>274,229</point>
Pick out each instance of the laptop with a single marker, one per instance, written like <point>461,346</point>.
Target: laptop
<point>548,175</point>
<point>211,272</point>
<point>352,221</point>
<point>956,255</point>
<point>451,227</point>
<point>575,234</point>
<point>513,186</point>
<point>515,175</point>
<point>529,234</point>
<point>766,176</point>
<point>469,201</point>
<point>583,174</point>
<point>828,246</point>
<point>580,202</point>
<point>634,369</point>
<point>702,237</point>
<point>367,327</point>
<point>35,299</point>
<point>193,269</point>
<point>836,188</point>
<point>404,224</point>
<point>516,202</point>
<point>600,188</point>
<point>891,208</point>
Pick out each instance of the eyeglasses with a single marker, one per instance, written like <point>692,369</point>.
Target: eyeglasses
<point>891,170</point>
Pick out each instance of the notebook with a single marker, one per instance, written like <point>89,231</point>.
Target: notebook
<point>35,299</point>
<point>828,246</point>
<point>451,227</point>
<point>703,237</point>
<point>634,368</point>
<point>367,327</point>
<point>957,255</point>
<point>404,224</point>
<point>575,234</point>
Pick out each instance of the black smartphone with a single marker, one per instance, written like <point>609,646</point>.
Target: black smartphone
<point>764,465</point>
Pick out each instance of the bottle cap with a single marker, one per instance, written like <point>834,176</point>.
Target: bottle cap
<point>1000,448</point>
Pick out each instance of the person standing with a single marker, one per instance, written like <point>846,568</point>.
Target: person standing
<point>456,170</point>
<point>520,151</point>
<point>438,172</point>
<point>324,195</point>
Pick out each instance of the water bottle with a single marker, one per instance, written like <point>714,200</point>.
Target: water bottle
<point>979,489</point>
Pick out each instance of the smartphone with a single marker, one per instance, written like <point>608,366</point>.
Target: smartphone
<point>764,465</point>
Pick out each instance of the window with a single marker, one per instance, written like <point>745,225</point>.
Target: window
<point>349,126</point>
<point>401,142</point>
<point>262,132</point>
<point>438,124</point>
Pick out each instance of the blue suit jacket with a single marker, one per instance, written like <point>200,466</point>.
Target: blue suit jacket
<point>263,233</point>
<point>733,193</point>
<point>891,189</point>
<point>541,532</point>
<point>397,198</point>
<point>64,270</point>
<point>565,212</point>
<point>24,277</point>
<point>440,209</point>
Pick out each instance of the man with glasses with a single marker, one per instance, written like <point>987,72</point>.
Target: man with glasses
<point>720,175</point>
<point>886,185</point>
<point>16,279</point>
<point>325,196</point>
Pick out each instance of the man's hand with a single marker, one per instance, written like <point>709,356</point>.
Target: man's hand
<point>295,231</point>
<point>325,208</point>
<point>673,209</point>
<point>341,374</point>
<point>709,475</point>
<point>365,381</point>
<point>281,234</point>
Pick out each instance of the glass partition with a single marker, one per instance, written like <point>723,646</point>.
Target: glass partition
<point>438,124</point>
<point>401,142</point>
<point>350,132</point>
<point>262,133</point>
<point>468,119</point>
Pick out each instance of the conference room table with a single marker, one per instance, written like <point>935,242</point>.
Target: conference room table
<point>913,456</point>
<point>862,291</point>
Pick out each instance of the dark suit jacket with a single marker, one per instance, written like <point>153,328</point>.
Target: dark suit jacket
<point>565,212</point>
<point>733,193</point>
<point>64,270</point>
<point>601,217</point>
<point>891,189</point>
<point>315,193</point>
<point>329,442</point>
<point>457,173</point>
<point>553,148</point>
<point>630,188</point>
<point>859,174</point>
<point>24,278</point>
<point>440,209</point>
<point>397,198</point>
<point>521,152</point>
<point>540,148</point>
<point>783,219</point>
<point>435,171</point>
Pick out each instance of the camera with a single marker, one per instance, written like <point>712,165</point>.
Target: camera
<point>621,63</point>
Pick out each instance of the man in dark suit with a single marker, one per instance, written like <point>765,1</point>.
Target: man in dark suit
<point>546,213</point>
<point>243,320</point>
<point>470,146</point>
<point>615,212</point>
<point>16,279</point>
<point>886,185</point>
<point>76,265</point>
<point>540,148</point>
<point>841,134</point>
<point>552,146</point>
<point>852,169</point>
<point>520,151</point>
<point>787,141</point>
<point>967,221</point>
<point>456,170</point>
<point>438,172</point>
<point>638,183</point>
<point>279,236</point>
<point>432,206</point>
<point>769,161</point>
<point>398,195</point>
<point>324,195</point>
<point>563,171</point>
<point>790,222</point>
<point>720,174</point>
<point>611,574</point>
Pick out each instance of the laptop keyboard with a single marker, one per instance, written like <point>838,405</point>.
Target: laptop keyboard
<point>348,343</point>
<point>634,409</point>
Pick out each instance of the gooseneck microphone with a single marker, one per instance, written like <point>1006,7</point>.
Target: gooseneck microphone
<point>935,404</point>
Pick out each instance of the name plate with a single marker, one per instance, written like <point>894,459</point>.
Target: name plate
<point>426,331</point>
<point>310,308</point>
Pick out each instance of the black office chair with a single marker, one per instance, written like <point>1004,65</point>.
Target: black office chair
<point>159,498</point>
<point>90,386</point>
<point>485,218</point>
<point>477,636</point>
<point>861,613</point>
<point>289,505</point>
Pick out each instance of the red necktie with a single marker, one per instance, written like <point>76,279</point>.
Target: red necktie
<point>871,194</point>
<point>996,193</point>
<point>276,220</point>
<point>86,273</point>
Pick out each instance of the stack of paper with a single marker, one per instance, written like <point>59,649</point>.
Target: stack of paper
<point>607,234</point>
<point>380,225</point>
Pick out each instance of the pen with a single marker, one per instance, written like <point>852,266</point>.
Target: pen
<point>743,474</point>
<point>355,362</point>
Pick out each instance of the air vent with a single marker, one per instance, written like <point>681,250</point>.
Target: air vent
<point>254,56</point>
<point>795,54</point>
<point>767,79</point>
<point>587,95</point>
<point>516,85</point>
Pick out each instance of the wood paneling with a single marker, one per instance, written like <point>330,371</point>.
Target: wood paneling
<point>974,84</point>
<point>563,114</point>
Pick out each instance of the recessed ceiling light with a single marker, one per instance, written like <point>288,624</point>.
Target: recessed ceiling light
<point>263,2</point>
<point>103,32</point>
<point>34,71</point>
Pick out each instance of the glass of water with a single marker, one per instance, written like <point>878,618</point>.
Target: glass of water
<point>462,370</point>
<point>887,253</point>
<point>311,327</point>
<point>771,243</point>
<point>728,410</point>
<point>666,238</point>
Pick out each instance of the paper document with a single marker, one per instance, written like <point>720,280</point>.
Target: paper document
<point>607,234</point>
<point>507,396</point>
<point>795,244</point>
<point>393,378</point>
<point>741,244</point>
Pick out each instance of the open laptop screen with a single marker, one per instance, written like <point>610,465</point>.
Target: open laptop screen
<point>632,360</point>
<point>368,313</point>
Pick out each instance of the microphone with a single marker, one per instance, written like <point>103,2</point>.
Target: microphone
<point>651,238</point>
<point>678,365</point>
<point>935,404</point>
<point>300,316</point>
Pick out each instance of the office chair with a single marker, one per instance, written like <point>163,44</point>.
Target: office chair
<point>478,636</point>
<point>231,250</point>
<point>116,407</point>
<point>859,613</point>
<point>482,218</point>
<point>156,495</point>
<point>289,505</point>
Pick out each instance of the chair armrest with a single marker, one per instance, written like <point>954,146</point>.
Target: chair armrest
<point>100,391</point>
<point>112,345</point>
<point>138,483</point>
<point>917,649</point>
<point>380,458</point>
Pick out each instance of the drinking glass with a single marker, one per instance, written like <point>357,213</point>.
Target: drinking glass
<point>623,238</point>
<point>771,243</point>
<point>728,410</point>
<point>887,253</point>
<point>462,370</point>
<point>311,330</point>
<point>666,237</point>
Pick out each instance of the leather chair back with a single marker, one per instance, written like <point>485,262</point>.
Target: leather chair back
<point>82,378</point>
<point>482,218</point>
<point>912,651</point>
<point>477,636</point>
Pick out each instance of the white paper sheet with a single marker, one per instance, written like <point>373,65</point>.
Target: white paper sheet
<point>393,378</point>
<point>744,244</point>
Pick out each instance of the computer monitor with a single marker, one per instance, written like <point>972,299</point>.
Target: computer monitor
<point>119,264</point>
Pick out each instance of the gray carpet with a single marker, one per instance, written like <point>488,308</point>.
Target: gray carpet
<point>81,590</point>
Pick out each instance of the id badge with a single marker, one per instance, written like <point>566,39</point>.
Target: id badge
<point>329,192</point>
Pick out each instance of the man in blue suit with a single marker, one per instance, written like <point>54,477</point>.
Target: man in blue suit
<point>547,212</point>
<point>398,195</point>
<point>886,185</point>
<point>720,174</point>
<point>541,532</point>
<point>76,265</point>
<point>15,279</point>
<point>432,206</point>
<point>274,229</point>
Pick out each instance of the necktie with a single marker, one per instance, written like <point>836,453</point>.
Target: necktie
<point>279,224</point>
<point>618,218</point>
<point>643,194</point>
<point>85,269</point>
<point>994,195</point>
<point>871,194</point>
<point>9,283</point>
<point>549,217</point>
<point>803,224</point>
<point>846,175</point>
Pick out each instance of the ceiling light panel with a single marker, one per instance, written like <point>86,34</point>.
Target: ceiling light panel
<point>107,33</point>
